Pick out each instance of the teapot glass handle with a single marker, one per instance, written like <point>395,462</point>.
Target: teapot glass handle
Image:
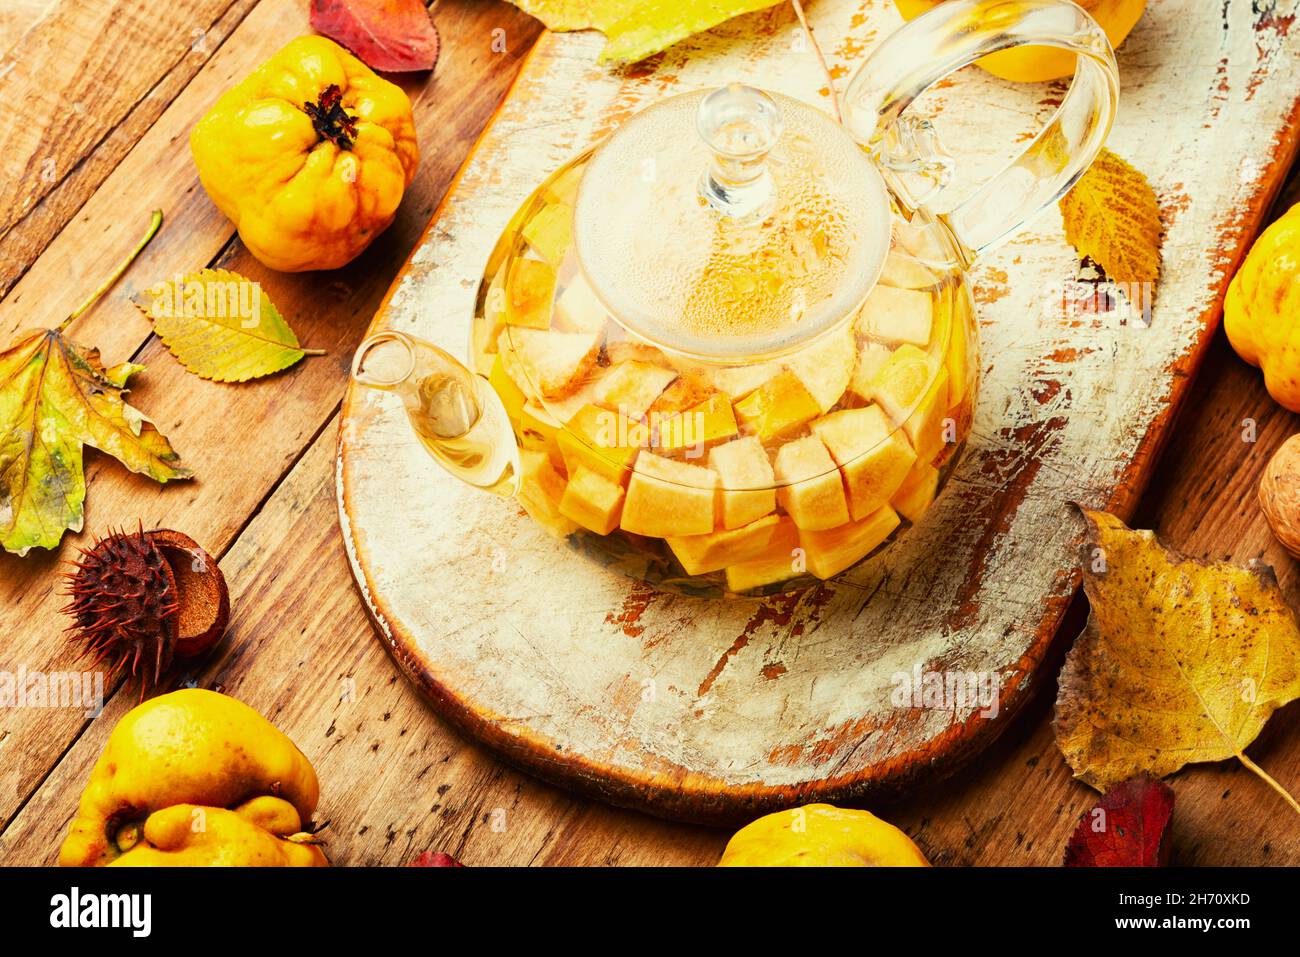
<point>953,35</point>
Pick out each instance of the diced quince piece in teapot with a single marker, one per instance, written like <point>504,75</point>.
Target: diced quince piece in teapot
<point>593,501</point>
<point>830,551</point>
<point>810,488</point>
<point>529,291</point>
<point>605,442</point>
<point>781,561</point>
<point>588,393</point>
<point>739,381</point>
<point>666,498</point>
<point>820,835</point>
<point>872,454</point>
<point>746,479</point>
<point>556,364</point>
<point>688,390</point>
<point>578,310</point>
<point>949,337</point>
<point>541,488</point>
<point>631,387</point>
<point>701,554</point>
<point>915,394</point>
<point>539,431</point>
<point>778,407</point>
<point>904,272</point>
<point>550,232</point>
<point>871,359</point>
<point>707,424</point>
<point>826,366</point>
<point>917,492</point>
<point>897,315</point>
<point>633,350</point>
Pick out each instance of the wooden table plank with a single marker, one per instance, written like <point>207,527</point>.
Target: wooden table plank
<point>239,439</point>
<point>88,79</point>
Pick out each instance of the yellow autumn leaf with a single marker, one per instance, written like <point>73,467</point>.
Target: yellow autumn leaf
<point>1112,216</point>
<point>1182,661</point>
<point>221,326</point>
<point>636,29</point>
<point>562,15</point>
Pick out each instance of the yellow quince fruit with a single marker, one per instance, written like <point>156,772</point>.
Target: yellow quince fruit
<point>309,156</point>
<point>1259,314</point>
<point>195,778</point>
<point>1037,64</point>
<point>819,835</point>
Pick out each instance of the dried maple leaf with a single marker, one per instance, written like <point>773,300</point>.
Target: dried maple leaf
<point>640,28</point>
<point>1182,661</point>
<point>55,398</point>
<point>396,36</point>
<point>221,326</point>
<point>1127,827</point>
<point>1113,217</point>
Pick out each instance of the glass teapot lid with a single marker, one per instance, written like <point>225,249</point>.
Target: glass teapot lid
<point>732,225</point>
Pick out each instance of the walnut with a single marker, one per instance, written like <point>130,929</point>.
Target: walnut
<point>1279,494</point>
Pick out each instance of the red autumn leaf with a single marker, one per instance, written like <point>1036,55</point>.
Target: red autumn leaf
<point>1126,829</point>
<point>396,36</point>
<point>435,859</point>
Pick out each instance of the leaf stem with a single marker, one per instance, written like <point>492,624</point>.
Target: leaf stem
<point>1241,756</point>
<point>830,82</point>
<point>312,352</point>
<point>155,221</point>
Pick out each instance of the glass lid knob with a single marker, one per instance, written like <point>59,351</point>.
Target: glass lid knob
<point>740,125</point>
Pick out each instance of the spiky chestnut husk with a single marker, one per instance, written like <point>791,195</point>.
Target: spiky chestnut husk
<point>124,604</point>
<point>140,600</point>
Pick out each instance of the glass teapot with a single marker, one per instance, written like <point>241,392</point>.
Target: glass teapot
<point>731,350</point>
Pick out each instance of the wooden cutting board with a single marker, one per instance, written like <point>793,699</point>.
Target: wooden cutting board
<point>715,711</point>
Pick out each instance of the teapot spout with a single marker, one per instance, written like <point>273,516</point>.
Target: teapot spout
<point>456,414</point>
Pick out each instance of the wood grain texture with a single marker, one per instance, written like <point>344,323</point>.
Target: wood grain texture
<point>92,77</point>
<point>240,440</point>
<point>717,711</point>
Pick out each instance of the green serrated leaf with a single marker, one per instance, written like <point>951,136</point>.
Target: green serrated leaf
<point>221,326</point>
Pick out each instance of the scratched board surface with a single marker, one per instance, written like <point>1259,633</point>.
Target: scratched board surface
<point>714,710</point>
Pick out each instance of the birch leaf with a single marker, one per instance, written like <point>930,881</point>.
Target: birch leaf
<point>221,326</point>
<point>56,398</point>
<point>1112,216</point>
<point>1182,661</point>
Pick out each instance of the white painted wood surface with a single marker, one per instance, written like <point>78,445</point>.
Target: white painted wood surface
<point>713,709</point>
